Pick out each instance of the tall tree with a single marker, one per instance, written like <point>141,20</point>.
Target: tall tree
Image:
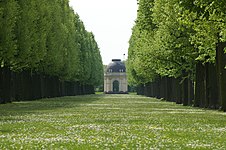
<point>207,18</point>
<point>8,42</point>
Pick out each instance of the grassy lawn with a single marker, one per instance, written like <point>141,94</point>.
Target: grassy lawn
<point>109,122</point>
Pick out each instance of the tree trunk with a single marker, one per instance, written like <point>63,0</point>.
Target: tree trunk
<point>200,86</point>
<point>170,89</point>
<point>5,85</point>
<point>162,88</point>
<point>12,86</point>
<point>221,73</point>
<point>140,89</point>
<point>1,85</point>
<point>174,89</point>
<point>212,88</point>
<point>147,89</point>
<point>185,88</point>
<point>185,92</point>
<point>178,91</point>
<point>157,88</point>
<point>190,91</point>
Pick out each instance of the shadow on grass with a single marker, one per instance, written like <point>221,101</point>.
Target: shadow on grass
<point>5,131</point>
<point>51,104</point>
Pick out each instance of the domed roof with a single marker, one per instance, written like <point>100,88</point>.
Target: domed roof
<point>116,66</point>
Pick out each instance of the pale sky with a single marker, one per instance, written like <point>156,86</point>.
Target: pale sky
<point>111,22</point>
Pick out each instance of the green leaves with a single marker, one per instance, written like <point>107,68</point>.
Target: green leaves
<point>172,35</point>
<point>49,38</point>
<point>163,48</point>
<point>8,18</point>
<point>207,19</point>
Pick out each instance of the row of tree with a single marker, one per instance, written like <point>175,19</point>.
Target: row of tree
<point>45,38</point>
<point>180,43</point>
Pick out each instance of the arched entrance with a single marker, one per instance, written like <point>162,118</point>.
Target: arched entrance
<point>115,86</point>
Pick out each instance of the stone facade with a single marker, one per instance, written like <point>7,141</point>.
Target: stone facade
<point>115,78</point>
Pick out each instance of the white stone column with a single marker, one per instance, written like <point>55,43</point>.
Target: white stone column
<point>121,83</point>
<point>126,85</point>
<point>109,85</point>
<point>105,84</point>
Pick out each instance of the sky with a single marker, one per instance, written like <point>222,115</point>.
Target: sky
<point>111,22</point>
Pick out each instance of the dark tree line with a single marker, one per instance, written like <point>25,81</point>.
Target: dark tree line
<point>177,51</point>
<point>45,51</point>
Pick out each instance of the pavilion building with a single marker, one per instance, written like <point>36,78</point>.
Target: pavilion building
<point>115,78</point>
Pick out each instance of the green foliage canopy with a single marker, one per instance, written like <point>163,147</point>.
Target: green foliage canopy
<point>49,38</point>
<point>170,36</point>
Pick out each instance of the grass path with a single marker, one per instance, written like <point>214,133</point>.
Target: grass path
<point>109,122</point>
